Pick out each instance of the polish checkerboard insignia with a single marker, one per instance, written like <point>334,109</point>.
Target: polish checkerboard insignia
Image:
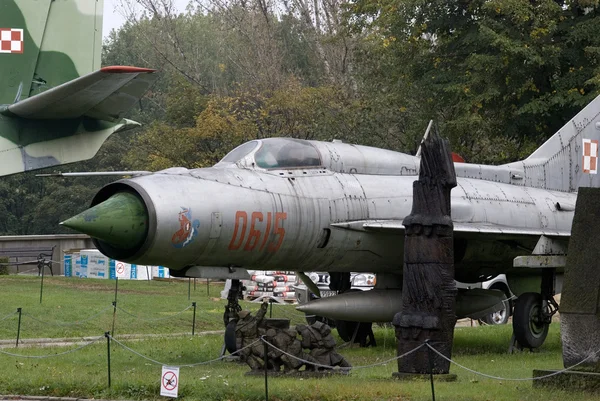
<point>590,156</point>
<point>11,40</point>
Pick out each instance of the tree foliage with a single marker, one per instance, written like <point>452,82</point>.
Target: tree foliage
<point>498,76</point>
<point>501,73</point>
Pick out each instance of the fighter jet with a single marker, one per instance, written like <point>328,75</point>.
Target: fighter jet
<point>56,104</point>
<point>289,204</point>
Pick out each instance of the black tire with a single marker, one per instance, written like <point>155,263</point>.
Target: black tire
<point>346,329</point>
<point>364,335</point>
<point>501,316</point>
<point>496,318</point>
<point>529,331</point>
<point>230,342</point>
<point>310,319</point>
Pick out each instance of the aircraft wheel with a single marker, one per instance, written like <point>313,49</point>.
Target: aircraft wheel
<point>310,319</point>
<point>529,330</point>
<point>230,341</point>
<point>499,317</point>
<point>346,329</point>
<point>364,335</point>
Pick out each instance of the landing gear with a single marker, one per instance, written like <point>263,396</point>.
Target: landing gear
<point>231,315</point>
<point>498,317</point>
<point>533,313</point>
<point>529,325</point>
<point>361,333</point>
<point>501,316</point>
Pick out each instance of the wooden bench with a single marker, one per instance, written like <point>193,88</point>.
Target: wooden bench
<point>40,256</point>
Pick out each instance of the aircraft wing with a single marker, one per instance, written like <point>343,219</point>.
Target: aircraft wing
<point>460,228</point>
<point>105,95</point>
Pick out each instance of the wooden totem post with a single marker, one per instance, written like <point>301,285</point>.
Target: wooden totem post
<point>428,290</point>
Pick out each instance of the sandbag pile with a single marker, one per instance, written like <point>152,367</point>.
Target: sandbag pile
<point>270,283</point>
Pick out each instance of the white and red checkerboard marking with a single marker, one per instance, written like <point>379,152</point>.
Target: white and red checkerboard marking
<point>11,40</point>
<point>590,156</point>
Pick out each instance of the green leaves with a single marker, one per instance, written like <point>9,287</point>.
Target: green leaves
<point>504,72</point>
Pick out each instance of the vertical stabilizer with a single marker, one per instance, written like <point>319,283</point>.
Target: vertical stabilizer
<point>45,43</point>
<point>569,159</point>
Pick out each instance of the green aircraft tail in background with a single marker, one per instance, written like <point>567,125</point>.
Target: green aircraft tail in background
<point>56,105</point>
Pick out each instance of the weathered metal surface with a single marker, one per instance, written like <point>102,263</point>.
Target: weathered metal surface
<point>293,210</point>
<point>428,291</point>
<point>580,301</point>
<point>339,208</point>
<point>213,273</point>
<point>54,109</point>
<point>540,261</point>
<point>380,305</point>
<point>121,221</point>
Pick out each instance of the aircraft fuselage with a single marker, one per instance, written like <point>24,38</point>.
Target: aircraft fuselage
<point>310,219</point>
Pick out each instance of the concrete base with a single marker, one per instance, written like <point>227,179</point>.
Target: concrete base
<point>299,374</point>
<point>570,380</point>
<point>449,377</point>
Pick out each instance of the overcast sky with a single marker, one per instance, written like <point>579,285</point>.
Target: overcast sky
<point>113,19</point>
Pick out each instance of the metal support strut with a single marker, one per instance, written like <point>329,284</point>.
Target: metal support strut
<point>233,305</point>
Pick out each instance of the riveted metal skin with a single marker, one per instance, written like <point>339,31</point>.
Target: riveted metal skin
<point>288,204</point>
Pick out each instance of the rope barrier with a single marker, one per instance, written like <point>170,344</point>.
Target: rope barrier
<point>154,319</point>
<point>35,269</point>
<point>342,368</point>
<point>290,315</point>
<point>508,378</point>
<point>8,316</point>
<point>52,355</point>
<point>181,366</point>
<point>75,323</point>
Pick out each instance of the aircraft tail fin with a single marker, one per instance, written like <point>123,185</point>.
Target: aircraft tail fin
<point>45,43</point>
<point>569,159</point>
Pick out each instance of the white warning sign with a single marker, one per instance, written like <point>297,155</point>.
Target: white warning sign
<point>123,270</point>
<point>169,381</point>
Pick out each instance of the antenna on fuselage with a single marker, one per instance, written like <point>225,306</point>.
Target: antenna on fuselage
<point>418,154</point>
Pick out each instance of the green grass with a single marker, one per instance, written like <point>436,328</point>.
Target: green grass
<point>84,373</point>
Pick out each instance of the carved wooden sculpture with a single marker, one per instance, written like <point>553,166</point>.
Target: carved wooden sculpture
<point>428,291</point>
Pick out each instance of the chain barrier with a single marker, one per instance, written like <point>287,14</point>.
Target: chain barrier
<point>75,323</point>
<point>53,355</point>
<point>508,378</point>
<point>343,368</point>
<point>181,366</point>
<point>154,319</point>
<point>8,316</point>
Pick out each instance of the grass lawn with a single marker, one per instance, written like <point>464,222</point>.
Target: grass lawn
<point>84,373</point>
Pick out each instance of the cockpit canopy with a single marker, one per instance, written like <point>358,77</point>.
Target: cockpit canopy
<point>277,153</point>
<point>288,153</point>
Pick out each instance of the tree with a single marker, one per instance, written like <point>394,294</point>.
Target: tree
<point>500,76</point>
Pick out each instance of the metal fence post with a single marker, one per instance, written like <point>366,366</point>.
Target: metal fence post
<point>107,335</point>
<point>430,357</point>
<point>194,319</point>
<point>114,316</point>
<point>266,349</point>
<point>19,326</point>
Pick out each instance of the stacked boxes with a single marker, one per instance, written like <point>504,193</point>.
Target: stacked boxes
<point>90,263</point>
<point>270,283</point>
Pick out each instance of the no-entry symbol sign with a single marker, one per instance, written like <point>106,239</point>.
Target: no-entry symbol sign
<point>120,268</point>
<point>169,381</point>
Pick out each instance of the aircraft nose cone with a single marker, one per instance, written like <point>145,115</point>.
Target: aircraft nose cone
<point>121,220</point>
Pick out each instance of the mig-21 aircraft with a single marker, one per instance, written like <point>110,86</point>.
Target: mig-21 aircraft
<point>57,105</point>
<point>301,205</point>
